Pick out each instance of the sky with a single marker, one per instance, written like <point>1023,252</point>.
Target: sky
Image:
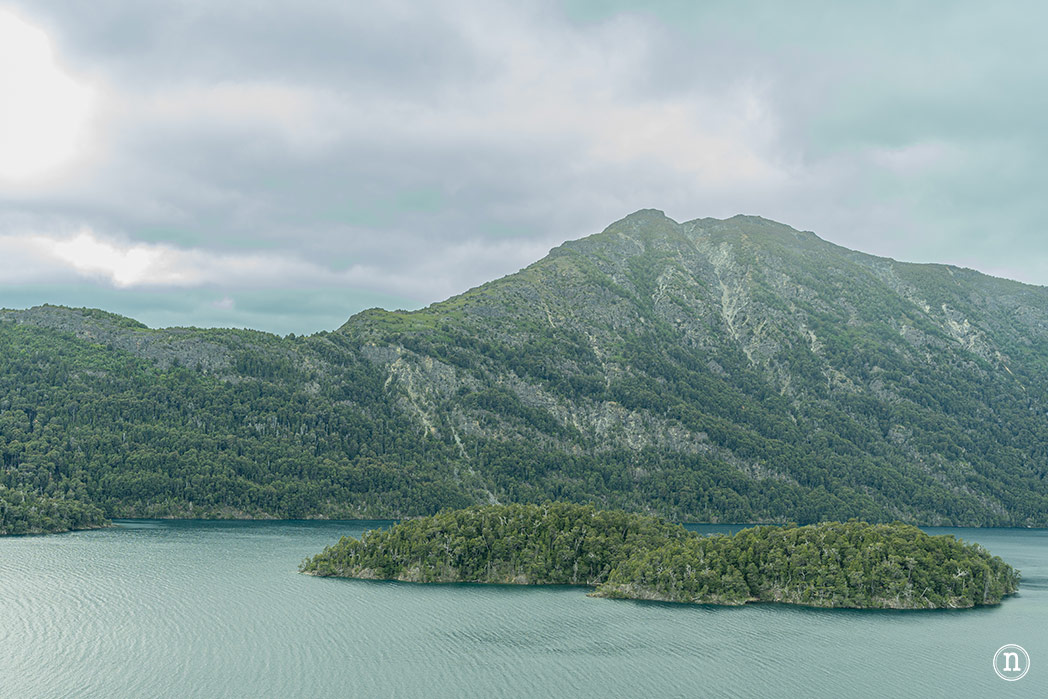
<point>283,165</point>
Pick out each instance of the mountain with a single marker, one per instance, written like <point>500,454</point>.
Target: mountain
<point>713,370</point>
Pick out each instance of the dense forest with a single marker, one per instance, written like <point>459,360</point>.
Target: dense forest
<point>24,512</point>
<point>82,423</point>
<point>550,544</point>
<point>854,564</point>
<point>710,371</point>
<point>629,556</point>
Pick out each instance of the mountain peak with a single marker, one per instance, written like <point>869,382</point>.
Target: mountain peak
<point>754,220</point>
<point>646,215</point>
<point>645,222</point>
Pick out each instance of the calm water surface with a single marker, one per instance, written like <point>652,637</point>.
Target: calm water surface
<point>217,609</point>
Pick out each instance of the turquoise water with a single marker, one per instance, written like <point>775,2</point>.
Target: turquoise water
<point>217,609</point>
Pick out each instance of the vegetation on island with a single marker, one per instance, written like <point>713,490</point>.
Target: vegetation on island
<point>831,564</point>
<point>711,371</point>
<point>550,544</point>
<point>628,556</point>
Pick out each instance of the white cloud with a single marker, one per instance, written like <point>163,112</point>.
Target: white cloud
<point>124,267</point>
<point>545,87</point>
<point>84,254</point>
<point>43,112</point>
<point>125,264</point>
<point>276,145</point>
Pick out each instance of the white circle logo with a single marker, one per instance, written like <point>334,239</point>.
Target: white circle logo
<point>1011,662</point>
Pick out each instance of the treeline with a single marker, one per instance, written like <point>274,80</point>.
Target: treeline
<point>852,564</point>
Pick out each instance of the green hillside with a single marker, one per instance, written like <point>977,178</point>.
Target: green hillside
<point>733,370</point>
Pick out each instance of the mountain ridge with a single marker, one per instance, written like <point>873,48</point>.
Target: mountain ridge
<point>706,370</point>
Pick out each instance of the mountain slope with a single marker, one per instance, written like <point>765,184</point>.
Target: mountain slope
<point>711,370</point>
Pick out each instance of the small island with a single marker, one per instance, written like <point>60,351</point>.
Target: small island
<point>629,556</point>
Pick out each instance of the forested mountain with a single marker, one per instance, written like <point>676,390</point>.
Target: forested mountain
<point>734,370</point>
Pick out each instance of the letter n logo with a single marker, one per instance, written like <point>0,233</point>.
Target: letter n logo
<point>1011,662</point>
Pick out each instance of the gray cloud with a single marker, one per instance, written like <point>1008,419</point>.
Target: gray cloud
<point>397,153</point>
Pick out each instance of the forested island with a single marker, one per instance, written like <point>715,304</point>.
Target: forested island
<point>628,556</point>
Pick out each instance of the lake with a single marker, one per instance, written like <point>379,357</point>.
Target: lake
<point>217,609</point>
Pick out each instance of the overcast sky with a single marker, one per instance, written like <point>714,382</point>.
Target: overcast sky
<point>283,165</point>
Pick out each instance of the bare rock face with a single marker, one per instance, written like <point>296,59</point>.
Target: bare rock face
<point>184,346</point>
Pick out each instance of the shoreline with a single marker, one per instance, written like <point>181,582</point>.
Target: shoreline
<point>594,594</point>
<point>115,522</point>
